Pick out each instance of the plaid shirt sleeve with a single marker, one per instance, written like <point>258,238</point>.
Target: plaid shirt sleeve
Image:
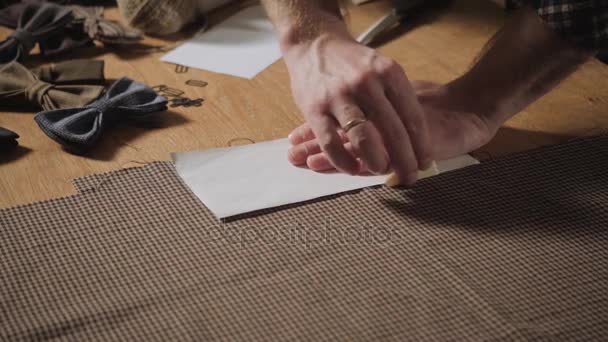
<point>585,22</point>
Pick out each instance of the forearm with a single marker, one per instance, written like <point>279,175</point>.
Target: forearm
<point>300,21</point>
<point>525,61</point>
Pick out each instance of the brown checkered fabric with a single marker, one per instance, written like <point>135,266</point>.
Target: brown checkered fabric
<point>512,249</point>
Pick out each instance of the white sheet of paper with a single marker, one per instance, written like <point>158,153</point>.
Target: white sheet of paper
<point>241,179</point>
<point>242,45</point>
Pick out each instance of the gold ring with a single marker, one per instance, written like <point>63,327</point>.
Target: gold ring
<point>352,124</point>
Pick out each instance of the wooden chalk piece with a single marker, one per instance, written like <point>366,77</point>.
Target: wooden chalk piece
<point>393,181</point>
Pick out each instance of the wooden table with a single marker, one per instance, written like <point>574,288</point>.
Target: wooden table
<point>262,108</point>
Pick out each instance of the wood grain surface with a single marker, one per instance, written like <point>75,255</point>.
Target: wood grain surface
<point>438,49</point>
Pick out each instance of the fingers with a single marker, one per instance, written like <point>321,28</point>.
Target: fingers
<point>320,162</point>
<point>309,153</point>
<point>364,137</point>
<point>368,143</point>
<point>304,133</point>
<point>395,135</point>
<point>298,154</point>
<point>330,142</point>
<point>301,134</point>
<point>400,94</point>
<point>422,85</point>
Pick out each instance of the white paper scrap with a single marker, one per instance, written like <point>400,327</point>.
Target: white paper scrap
<point>242,179</point>
<point>242,45</point>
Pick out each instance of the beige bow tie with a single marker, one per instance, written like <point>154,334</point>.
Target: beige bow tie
<point>19,86</point>
<point>77,71</point>
<point>101,29</point>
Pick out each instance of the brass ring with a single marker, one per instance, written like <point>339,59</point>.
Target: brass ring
<point>352,124</point>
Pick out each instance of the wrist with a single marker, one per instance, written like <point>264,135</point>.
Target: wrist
<point>294,35</point>
<point>474,95</point>
<point>524,61</point>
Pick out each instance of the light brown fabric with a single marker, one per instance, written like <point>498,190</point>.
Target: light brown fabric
<point>101,29</point>
<point>514,249</point>
<point>158,16</point>
<point>77,71</point>
<point>19,86</point>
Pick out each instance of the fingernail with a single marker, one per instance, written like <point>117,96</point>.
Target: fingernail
<point>294,157</point>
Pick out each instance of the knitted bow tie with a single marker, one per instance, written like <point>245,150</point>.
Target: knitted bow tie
<point>77,129</point>
<point>98,28</point>
<point>36,24</point>
<point>8,139</point>
<point>19,86</point>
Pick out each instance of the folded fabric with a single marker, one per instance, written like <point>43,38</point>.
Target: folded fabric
<point>77,129</point>
<point>19,86</point>
<point>36,24</point>
<point>9,14</point>
<point>85,2</point>
<point>8,139</point>
<point>158,16</point>
<point>78,71</point>
<point>87,24</point>
<point>5,3</point>
<point>163,17</point>
<point>92,22</point>
<point>64,40</point>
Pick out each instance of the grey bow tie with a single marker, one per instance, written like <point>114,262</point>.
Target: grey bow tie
<point>36,24</point>
<point>88,23</point>
<point>8,139</point>
<point>77,129</point>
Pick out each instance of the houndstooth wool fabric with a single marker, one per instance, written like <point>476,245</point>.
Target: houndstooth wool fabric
<point>514,249</point>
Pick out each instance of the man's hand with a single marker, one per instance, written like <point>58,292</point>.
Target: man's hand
<point>336,80</point>
<point>454,129</point>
